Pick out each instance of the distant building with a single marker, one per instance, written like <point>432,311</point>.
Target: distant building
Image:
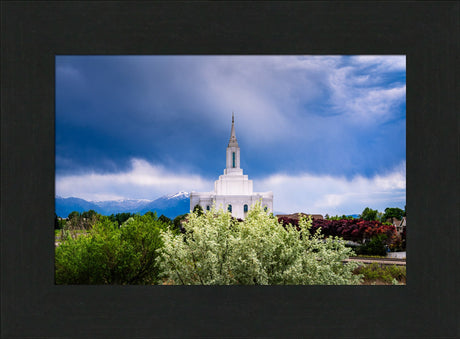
<point>398,224</point>
<point>233,191</point>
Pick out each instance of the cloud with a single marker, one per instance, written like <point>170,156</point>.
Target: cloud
<point>381,62</point>
<point>141,181</point>
<point>292,193</point>
<point>267,93</point>
<point>377,104</point>
<point>366,98</point>
<point>336,195</point>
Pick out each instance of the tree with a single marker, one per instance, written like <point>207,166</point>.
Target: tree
<point>73,215</point>
<point>109,254</point>
<point>393,212</point>
<point>165,219</point>
<point>178,222</point>
<point>369,214</point>
<point>218,250</point>
<point>377,245</point>
<point>198,209</point>
<point>58,222</point>
<point>120,218</point>
<point>89,214</point>
<point>81,221</point>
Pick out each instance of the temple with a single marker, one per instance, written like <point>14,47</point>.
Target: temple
<point>233,190</point>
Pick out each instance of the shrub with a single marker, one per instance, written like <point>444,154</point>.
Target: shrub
<point>109,254</point>
<point>376,246</point>
<point>349,229</point>
<point>382,273</point>
<point>218,250</point>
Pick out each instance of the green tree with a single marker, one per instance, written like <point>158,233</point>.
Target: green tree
<point>178,221</point>
<point>120,218</point>
<point>165,219</point>
<point>89,214</point>
<point>81,221</point>
<point>218,250</point>
<point>109,254</point>
<point>73,215</point>
<point>393,212</point>
<point>198,209</point>
<point>369,214</point>
<point>58,222</point>
<point>380,217</point>
<point>375,246</point>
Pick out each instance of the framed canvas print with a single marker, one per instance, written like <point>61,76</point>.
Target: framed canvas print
<point>312,149</point>
<point>127,106</point>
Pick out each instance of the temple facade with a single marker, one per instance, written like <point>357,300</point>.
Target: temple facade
<point>233,190</point>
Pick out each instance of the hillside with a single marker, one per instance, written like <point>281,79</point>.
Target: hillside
<point>169,205</point>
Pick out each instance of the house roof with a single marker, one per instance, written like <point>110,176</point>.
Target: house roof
<point>398,223</point>
<point>403,222</point>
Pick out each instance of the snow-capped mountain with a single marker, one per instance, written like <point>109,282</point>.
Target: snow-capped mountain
<point>170,205</point>
<point>123,205</point>
<point>179,195</point>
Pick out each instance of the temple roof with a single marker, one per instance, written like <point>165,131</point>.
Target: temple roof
<point>233,142</point>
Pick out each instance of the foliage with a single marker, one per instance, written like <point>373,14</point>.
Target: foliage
<point>369,214</point>
<point>382,273</point>
<point>376,246</point>
<point>403,239</point>
<point>120,218</point>
<point>198,209</point>
<point>367,256</point>
<point>81,221</point>
<point>398,241</point>
<point>73,214</point>
<point>58,222</point>
<point>349,229</point>
<point>89,214</point>
<point>393,212</point>
<point>109,254</point>
<point>164,219</point>
<point>343,217</point>
<point>178,222</point>
<point>218,250</point>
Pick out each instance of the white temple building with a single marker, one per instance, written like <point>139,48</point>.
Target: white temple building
<point>233,191</point>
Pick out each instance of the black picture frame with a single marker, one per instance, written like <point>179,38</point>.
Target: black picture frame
<point>34,32</point>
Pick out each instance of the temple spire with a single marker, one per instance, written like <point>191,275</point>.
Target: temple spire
<point>233,142</point>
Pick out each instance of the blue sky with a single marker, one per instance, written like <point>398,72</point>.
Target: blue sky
<point>326,134</point>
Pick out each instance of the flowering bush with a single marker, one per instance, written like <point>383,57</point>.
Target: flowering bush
<point>218,250</point>
<point>348,229</point>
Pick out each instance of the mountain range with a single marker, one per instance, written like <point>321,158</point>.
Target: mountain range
<point>169,205</point>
